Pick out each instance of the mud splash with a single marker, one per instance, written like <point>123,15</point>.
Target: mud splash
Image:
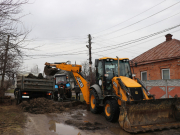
<point>61,128</point>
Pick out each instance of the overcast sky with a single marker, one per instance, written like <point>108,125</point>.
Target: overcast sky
<point>60,28</point>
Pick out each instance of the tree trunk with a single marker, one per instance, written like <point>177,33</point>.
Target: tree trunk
<point>2,93</point>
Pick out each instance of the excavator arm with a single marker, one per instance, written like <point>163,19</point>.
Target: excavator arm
<point>76,70</point>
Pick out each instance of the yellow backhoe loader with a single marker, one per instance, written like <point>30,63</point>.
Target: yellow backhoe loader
<point>122,96</point>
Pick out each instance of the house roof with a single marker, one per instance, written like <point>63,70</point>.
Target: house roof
<point>165,51</point>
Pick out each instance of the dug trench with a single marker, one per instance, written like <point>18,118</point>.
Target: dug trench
<point>46,117</point>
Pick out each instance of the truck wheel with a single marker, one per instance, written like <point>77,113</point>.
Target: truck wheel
<point>111,110</point>
<point>94,102</point>
<point>49,97</point>
<point>55,96</point>
<point>15,95</point>
<point>69,94</point>
<point>18,100</point>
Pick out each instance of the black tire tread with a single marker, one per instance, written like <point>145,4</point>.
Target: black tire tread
<point>18,101</point>
<point>114,110</point>
<point>69,94</point>
<point>97,108</point>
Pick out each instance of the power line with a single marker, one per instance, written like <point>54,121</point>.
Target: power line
<point>144,42</point>
<point>114,46</point>
<point>143,27</point>
<point>62,38</point>
<point>130,32</point>
<point>140,20</point>
<point>81,37</point>
<point>131,17</point>
<point>137,40</point>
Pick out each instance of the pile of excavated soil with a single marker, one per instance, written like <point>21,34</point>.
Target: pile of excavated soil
<point>43,105</point>
<point>40,76</point>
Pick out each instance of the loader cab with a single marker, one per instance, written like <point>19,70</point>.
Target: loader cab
<point>107,68</point>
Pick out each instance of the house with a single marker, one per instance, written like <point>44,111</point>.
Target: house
<point>159,68</point>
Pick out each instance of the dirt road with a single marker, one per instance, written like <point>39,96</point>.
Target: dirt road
<point>76,122</point>
<point>72,119</point>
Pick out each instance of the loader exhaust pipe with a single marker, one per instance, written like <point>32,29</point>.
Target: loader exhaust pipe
<point>118,66</point>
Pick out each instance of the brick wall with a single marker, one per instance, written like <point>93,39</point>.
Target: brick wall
<point>154,70</point>
<point>163,88</point>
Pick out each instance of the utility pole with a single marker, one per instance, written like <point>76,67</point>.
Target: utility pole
<point>90,62</point>
<point>5,62</point>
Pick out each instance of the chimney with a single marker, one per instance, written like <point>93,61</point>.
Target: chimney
<point>168,37</point>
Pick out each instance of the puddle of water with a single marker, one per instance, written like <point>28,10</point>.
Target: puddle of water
<point>62,129</point>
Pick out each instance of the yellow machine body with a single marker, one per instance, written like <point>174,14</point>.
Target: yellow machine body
<point>136,114</point>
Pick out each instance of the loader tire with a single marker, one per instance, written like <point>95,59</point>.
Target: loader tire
<point>94,102</point>
<point>69,94</point>
<point>111,110</point>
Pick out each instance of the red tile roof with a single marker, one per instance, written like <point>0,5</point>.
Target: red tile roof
<point>164,51</point>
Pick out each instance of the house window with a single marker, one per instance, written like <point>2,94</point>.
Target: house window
<point>144,76</point>
<point>165,74</point>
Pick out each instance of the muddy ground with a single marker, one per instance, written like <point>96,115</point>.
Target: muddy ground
<point>79,122</point>
<point>12,120</point>
<point>46,117</point>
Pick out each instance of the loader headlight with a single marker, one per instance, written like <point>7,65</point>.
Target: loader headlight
<point>133,75</point>
<point>106,75</point>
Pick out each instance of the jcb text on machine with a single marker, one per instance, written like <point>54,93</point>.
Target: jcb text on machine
<point>123,97</point>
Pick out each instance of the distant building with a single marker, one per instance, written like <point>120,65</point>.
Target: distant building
<point>159,68</point>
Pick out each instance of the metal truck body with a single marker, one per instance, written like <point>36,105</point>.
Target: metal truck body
<point>28,88</point>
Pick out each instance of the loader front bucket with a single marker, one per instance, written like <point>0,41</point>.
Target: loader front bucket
<point>50,71</point>
<point>150,115</point>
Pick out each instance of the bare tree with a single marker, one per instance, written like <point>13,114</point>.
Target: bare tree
<point>35,69</point>
<point>85,69</point>
<point>9,19</point>
<point>11,39</point>
<point>85,72</point>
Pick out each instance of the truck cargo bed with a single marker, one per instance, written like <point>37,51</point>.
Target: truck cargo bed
<point>30,84</point>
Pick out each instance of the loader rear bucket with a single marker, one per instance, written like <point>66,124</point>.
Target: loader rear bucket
<point>50,71</point>
<point>150,115</point>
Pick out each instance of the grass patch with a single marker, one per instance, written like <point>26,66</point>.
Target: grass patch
<point>10,91</point>
<point>12,120</point>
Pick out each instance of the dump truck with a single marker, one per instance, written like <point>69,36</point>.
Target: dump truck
<point>123,96</point>
<point>28,88</point>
